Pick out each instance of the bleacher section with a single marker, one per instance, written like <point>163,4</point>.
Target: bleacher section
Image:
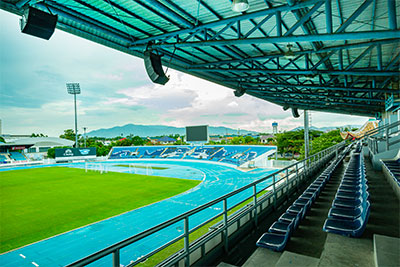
<point>3,158</point>
<point>17,156</point>
<point>236,155</point>
<point>280,232</point>
<point>350,208</point>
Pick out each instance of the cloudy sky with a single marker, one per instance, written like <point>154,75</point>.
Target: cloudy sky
<point>116,91</point>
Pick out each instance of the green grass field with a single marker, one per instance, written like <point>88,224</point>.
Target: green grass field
<point>39,203</point>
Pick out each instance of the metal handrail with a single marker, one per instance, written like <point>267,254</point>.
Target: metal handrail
<point>382,127</point>
<point>305,164</point>
<point>373,140</point>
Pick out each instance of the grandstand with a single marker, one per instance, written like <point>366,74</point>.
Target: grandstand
<point>17,156</point>
<point>236,155</point>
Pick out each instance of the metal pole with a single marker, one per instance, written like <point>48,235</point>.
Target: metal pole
<point>84,133</point>
<point>274,188</point>
<point>225,225</point>
<point>306,136</point>
<point>76,124</point>
<point>186,241</point>
<point>387,138</point>
<point>116,260</point>
<point>255,204</point>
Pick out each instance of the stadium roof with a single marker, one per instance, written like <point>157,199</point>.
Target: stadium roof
<point>337,56</point>
<point>41,142</point>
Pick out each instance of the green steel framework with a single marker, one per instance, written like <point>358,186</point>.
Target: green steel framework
<point>345,55</point>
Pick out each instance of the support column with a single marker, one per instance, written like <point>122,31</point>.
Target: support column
<point>306,135</point>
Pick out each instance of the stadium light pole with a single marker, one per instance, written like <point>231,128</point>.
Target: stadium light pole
<point>84,133</point>
<point>74,89</point>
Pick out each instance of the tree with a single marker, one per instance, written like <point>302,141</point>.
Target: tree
<point>38,135</point>
<point>68,134</point>
<point>249,139</point>
<point>237,140</point>
<point>2,139</point>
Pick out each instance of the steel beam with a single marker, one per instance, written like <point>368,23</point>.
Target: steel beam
<point>392,14</point>
<point>327,97</point>
<point>247,16</point>
<point>303,19</point>
<point>319,87</point>
<point>300,72</point>
<point>326,49</point>
<point>379,56</point>
<point>278,23</point>
<point>169,13</point>
<point>352,64</point>
<point>384,34</point>
<point>353,16</point>
<point>328,16</point>
<point>320,105</point>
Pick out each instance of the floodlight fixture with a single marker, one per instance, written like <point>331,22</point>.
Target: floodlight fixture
<point>74,89</point>
<point>240,5</point>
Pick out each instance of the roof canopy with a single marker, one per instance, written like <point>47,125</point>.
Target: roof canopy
<point>336,56</point>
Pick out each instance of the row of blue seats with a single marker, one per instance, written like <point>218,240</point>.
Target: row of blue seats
<point>17,155</point>
<point>280,231</point>
<point>350,208</point>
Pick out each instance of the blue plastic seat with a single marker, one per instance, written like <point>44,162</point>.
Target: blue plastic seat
<point>309,195</point>
<point>341,203</point>
<point>304,202</point>
<point>291,217</point>
<point>282,227</point>
<point>349,195</point>
<point>297,209</point>
<point>273,241</point>
<point>354,228</point>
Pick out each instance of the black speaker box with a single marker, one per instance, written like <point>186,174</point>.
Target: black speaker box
<point>154,68</point>
<point>38,23</point>
<point>239,91</point>
<point>295,113</point>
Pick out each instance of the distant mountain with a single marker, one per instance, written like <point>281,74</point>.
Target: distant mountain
<point>327,129</point>
<point>157,130</point>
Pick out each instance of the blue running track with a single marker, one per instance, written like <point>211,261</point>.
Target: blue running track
<point>63,249</point>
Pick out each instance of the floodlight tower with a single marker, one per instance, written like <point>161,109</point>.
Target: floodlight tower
<point>74,89</point>
<point>84,134</point>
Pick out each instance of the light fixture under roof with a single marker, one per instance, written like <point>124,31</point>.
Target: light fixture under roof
<point>240,5</point>
<point>290,54</point>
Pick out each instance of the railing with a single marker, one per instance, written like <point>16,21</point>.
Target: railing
<point>373,139</point>
<point>281,179</point>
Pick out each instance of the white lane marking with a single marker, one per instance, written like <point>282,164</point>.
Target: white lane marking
<point>34,263</point>
<point>23,256</point>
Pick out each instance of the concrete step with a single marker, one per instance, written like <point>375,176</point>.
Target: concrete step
<point>293,259</point>
<point>223,264</point>
<point>386,251</point>
<point>342,251</point>
<point>263,257</point>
